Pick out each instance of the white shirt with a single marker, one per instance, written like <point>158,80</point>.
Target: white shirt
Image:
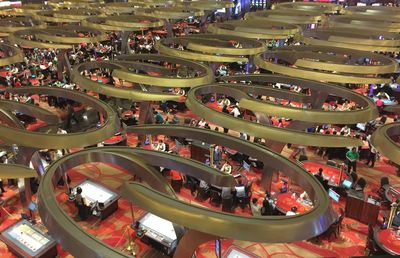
<point>160,146</point>
<point>226,168</point>
<point>240,191</point>
<point>235,111</point>
<point>202,123</point>
<point>290,213</point>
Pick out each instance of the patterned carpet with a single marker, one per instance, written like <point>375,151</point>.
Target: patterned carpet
<point>350,243</point>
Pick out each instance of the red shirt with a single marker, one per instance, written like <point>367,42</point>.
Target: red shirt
<point>175,175</point>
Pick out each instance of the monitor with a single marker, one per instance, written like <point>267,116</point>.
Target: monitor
<point>334,195</point>
<point>347,184</point>
<point>361,126</point>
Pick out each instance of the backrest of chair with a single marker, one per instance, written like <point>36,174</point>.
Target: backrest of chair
<point>361,182</point>
<point>331,163</point>
<point>384,181</point>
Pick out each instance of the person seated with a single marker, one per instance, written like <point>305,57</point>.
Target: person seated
<point>319,175</point>
<point>268,207</point>
<point>159,119</point>
<point>345,130</point>
<point>160,146</point>
<point>202,123</point>
<point>240,189</point>
<point>235,111</point>
<point>396,219</point>
<point>304,196</point>
<point>292,212</point>
<point>383,95</point>
<point>255,208</point>
<point>175,120</point>
<point>226,168</point>
<point>224,102</point>
<point>139,231</point>
<point>203,191</point>
<point>284,187</point>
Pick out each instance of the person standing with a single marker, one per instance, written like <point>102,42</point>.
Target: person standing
<point>352,156</point>
<point>379,104</point>
<point>225,111</point>
<point>371,157</point>
<point>217,155</point>
<point>176,180</point>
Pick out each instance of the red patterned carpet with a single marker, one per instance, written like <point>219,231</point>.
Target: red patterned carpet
<point>112,230</point>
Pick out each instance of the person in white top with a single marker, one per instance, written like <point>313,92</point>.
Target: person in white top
<point>201,123</point>
<point>304,196</point>
<point>372,156</point>
<point>235,111</point>
<point>292,212</point>
<point>226,168</point>
<point>160,146</point>
<point>61,131</point>
<point>346,131</point>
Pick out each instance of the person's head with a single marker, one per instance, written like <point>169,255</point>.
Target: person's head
<point>254,201</point>
<point>353,149</point>
<point>240,181</point>
<point>78,190</point>
<point>320,171</point>
<point>267,194</point>
<point>294,209</point>
<point>137,224</point>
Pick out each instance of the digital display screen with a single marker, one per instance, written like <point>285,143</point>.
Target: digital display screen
<point>29,238</point>
<point>346,184</point>
<point>361,126</point>
<point>334,195</point>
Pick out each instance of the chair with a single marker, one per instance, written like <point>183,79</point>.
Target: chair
<point>371,247</point>
<point>334,229</point>
<point>354,178</point>
<point>331,163</point>
<point>384,185</point>
<point>227,204</point>
<point>215,198</point>
<point>361,183</point>
<point>384,181</point>
<point>202,194</point>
